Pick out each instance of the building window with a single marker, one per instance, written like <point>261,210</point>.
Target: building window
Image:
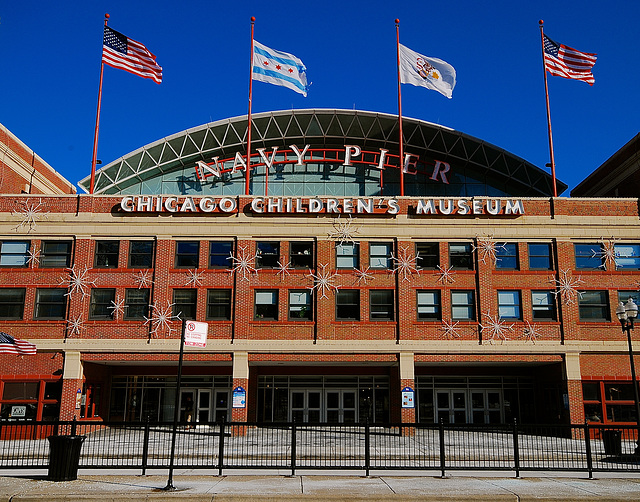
<point>301,254</point>
<point>429,305</point>
<point>185,303</point>
<point>300,305</point>
<point>627,256</point>
<point>461,256</point>
<point>381,305</point>
<point>187,254</point>
<point>347,255</point>
<point>509,305</point>
<point>588,256</point>
<point>219,304</point>
<point>220,253</point>
<point>623,296</point>
<point>543,306</point>
<point>12,303</point>
<point>266,305</point>
<point>14,253</point>
<point>268,254</point>
<point>428,254</point>
<point>463,306</point>
<point>539,256</point>
<point>507,256</point>
<point>140,254</point>
<point>55,254</point>
<point>380,255</point>
<point>593,306</point>
<point>101,300</point>
<point>106,255</point>
<point>348,305</point>
<point>136,303</point>
<point>50,303</point>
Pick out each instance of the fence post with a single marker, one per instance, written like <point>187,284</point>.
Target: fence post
<point>367,450</point>
<point>73,426</point>
<point>221,448</point>
<point>145,447</point>
<point>293,448</point>
<point>441,434</point>
<point>516,448</point>
<point>587,444</point>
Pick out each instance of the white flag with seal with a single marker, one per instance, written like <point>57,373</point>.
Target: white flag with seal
<point>424,71</point>
<point>279,68</point>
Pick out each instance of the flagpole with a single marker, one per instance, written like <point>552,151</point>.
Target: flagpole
<point>400,111</point>
<point>248,171</point>
<point>546,92</point>
<point>95,136</point>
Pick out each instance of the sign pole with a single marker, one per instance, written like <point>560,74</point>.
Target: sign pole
<point>176,411</point>
<point>95,134</point>
<point>248,170</point>
<point>401,166</point>
<point>546,93</point>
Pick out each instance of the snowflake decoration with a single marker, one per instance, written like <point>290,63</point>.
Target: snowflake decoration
<point>405,264</point>
<point>117,307</point>
<point>496,327</point>
<point>445,275</point>
<point>143,279</point>
<point>244,263</point>
<point>194,278</point>
<point>567,287</point>
<point>283,268</point>
<point>34,257</point>
<point>531,333</point>
<point>77,282</point>
<point>31,213</point>
<point>343,231</point>
<point>487,248</point>
<point>160,318</point>
<point>450,330</point>
<point>363,275</point>
<point>606,254</point>
<point>323,281</point>
<point>74,326</point>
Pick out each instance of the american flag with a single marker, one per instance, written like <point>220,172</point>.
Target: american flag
<point>563,61</point>
<point>121,52</point>
<point>10,345</point>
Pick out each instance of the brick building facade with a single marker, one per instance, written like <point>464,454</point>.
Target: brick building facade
<point>329,297</point>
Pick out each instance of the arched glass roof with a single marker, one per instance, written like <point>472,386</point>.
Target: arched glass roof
<point>168,165</point>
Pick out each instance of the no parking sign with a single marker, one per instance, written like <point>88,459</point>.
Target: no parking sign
<point>195,334</point>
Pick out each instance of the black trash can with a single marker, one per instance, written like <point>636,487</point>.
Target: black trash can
<point>64,457</point>
<point>612,442</point>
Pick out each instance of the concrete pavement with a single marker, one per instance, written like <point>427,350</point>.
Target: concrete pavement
<point>386,486</point>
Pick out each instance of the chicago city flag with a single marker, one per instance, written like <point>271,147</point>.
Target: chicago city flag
<point>423,71</point>
<point>279,68</point>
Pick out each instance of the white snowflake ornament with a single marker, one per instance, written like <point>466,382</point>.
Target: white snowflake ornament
<point>34,257</point>
<point>343,230</point>
<point>567,287</point>
<point>606,254</point>
<point>143,279</point>
<point>75,325</point>
<point>283,269</point>
<point>194,278</point>
<point>487,249</point>
<point>363,275</point>
<point>161,317</point>
<point>117,307</point>
<point>244,264</point>
<point>445,275</point>
<point>406,264</point>
<point>77,282</point>
<point>31,212</point>
<point>496,327</point>
<point>531,333</point>
<point>324,281</point>
<point>450,330</point>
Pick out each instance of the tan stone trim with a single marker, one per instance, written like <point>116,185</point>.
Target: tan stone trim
<point>73,369</point>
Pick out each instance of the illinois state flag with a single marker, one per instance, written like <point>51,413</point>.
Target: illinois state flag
<point>424,71</point>
<point>279,68</point>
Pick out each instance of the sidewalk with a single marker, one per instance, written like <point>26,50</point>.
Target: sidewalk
<point>204,486</point>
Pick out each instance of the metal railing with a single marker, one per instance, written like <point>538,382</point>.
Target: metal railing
<point>291,446</point>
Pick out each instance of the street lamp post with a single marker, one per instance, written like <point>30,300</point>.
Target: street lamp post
<point>626,313</point>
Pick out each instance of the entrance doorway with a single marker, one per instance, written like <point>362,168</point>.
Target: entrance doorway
<point>486,406</point>
<point>221,406</point>
<point>305,405</point>
<point>341,406</point>
<point>196,405</point>
<point>451,406</point>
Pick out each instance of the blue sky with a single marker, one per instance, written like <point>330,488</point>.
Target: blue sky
<point>50,53</point>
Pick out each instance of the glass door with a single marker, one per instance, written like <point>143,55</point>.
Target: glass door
<point>221,406</point>
<point>451,406</point>
<point>341,406</point>
<point>305,406</point>
<point>203,411</point>
<point>187,400</point>
<point>486,406</point>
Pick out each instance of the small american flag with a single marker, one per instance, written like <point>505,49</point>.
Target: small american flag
<point>10,345</point>
<point>121,52</point>
<point>563,61</point>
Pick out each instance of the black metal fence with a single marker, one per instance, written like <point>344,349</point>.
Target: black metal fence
<point>290,446</point>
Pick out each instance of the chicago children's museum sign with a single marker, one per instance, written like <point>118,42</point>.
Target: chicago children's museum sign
<point>349,156</point>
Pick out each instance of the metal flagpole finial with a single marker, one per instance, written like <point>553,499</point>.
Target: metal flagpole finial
<point>106,16</point>
<point>541,22</point>
<point>397,21</point>
<point>253,19</point>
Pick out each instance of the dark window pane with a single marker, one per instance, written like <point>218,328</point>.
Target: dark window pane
<point>55,254</point>
<point>381,306</point>
<point>106,255</point>
<point>348,305</point>
<point>539,256</point>
<point>50,303</point>
<point>136,303</point>
<point>220,254</point>
<point>266,305</point>
<point>507,256</point>
<point>219,304</point>
<point>268,254</point>
<point>300,305</point>
<point>141,254</point>
<point>11,303</point>
<point>301,254</point>
<point>593,306</point>
<point>461,256</point>
<point>101,300</point>
<point>428,254</point>
<point>187,253</point>
<point>184,303</point>
<point>588,256</point>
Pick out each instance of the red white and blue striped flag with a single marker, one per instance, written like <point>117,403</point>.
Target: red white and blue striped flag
<point>121,52</point>
<point>563,61</point>
<point>10,345</point>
